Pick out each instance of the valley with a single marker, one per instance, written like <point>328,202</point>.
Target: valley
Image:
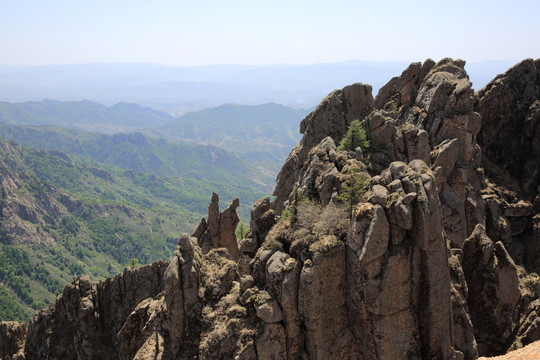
<point>81,202</point>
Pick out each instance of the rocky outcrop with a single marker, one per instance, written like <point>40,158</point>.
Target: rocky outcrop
<point>26,206</point>
<point>331,118</point>
<point>182,283</point>
<point>421,246</point>
<point>86,318</point>
<point>12,338</point>
<point>493,284</point>
<point>399,284</point>
<point>435,105</point>
<point>219,230</point>
<point>427,113</point>
<point>510,109</point>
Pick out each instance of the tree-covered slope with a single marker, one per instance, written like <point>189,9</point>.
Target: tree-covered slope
<point>256,132</point>
<point>144,154</point>
<point>86,115</point>
<point>62,215</point>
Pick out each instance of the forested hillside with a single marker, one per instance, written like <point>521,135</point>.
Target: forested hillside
<point>85,115</point>
<point>64,215</point>
<point>258,132</point>
<point>144,154</point>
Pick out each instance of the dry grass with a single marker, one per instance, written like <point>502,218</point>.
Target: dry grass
<point>225,326</point>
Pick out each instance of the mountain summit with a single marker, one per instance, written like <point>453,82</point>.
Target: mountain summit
<point>423,245</point>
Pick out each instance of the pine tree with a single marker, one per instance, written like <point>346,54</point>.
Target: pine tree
<point>133,263</point>
<point>355,137</point>
<point>241,230</point>
<point>355,187</point>
<point>297,199</point>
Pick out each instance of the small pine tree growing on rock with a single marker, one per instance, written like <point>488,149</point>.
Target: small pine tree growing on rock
<point>132,264</point>
<point>297,200</point>
<point>355,137</point>
<point>241,230</point>
<point>355,187</point>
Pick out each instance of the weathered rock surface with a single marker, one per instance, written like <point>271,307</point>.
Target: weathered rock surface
<point>510,109</point>
<point>494,291</point>
<point>398,295</point>
<point>23,214</point>
<point>12,338</point>
<point>219,230</point>
<point>331,118</point>
<point>86,318</point>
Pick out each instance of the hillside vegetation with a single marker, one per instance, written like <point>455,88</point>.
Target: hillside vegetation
<point>84,115</point>
<point>63,216</point>
<point>144,154</point>
<point>254,133</point>
<point>261,135</point>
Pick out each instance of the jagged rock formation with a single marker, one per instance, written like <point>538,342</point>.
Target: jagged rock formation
<point>12,337</point>
<point>219,230</point>
<point>510,110</point>
<point>342,107</point>
<point>435,260</point>
<point>399,287</point>
<point>494,289</point>
<point>88,319</point>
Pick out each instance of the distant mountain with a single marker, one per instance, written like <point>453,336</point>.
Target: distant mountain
<point>180,89</point>
<point>86,115</point>
<point>263,133</point>
<point>144,154</point>
<point>257,132</point>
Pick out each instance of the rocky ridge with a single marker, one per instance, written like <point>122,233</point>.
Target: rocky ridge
<point>437,261</point>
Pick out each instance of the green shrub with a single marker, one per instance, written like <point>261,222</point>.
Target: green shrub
<point>355,137</point>
<point>132,264</point>
<point>355,187</point>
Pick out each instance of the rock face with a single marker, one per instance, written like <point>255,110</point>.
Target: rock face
<point>342,107</point>
<point>493,279</point>
<point>510,135</point>
<point>218,231</point>
<point>86,318</point>
<point>399,290</point>
<point>422,246</point>
<point>12,337</point>
<point>23,214</point>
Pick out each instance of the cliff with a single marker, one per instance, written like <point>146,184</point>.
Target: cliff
<point>435,259</point>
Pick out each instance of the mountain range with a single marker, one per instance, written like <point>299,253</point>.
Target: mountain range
<point>83,115</point>
<point>255,133</point>
<point>141,153</point>
<point>181,89</point>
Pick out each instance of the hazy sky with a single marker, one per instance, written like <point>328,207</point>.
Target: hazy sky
<point>197,32</point>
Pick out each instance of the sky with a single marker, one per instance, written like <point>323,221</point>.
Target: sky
<point>204,32</point>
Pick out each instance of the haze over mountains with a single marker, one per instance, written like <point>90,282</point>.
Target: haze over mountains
<point>180,89</point>
<point>83,115</point>
<point>253,132</point>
